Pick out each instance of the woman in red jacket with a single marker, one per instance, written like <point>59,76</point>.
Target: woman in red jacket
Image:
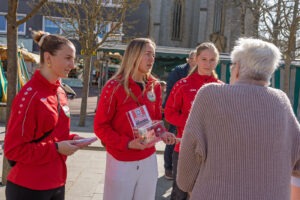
<point>182,96</point>
<point>38,135</point>
<point>131,166</point>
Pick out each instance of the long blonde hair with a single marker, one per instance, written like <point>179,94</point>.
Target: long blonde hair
<point>202,47</point>
<point>131,61</point>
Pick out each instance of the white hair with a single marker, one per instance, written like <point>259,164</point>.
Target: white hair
<point>257,59</point>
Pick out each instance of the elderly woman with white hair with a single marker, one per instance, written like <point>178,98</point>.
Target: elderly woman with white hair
<point>241,141</point>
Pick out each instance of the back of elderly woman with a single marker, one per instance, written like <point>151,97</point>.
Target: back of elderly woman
<point>241,141</point>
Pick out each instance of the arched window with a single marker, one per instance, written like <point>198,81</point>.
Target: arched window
<point>218,17</point>
<point>177,20</point>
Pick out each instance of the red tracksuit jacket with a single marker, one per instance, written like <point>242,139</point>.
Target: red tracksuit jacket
<point>34,112</point>
<point>111,123</point>
<point>181,98</point>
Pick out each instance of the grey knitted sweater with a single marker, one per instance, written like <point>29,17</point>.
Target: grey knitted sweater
<point>241,142</point>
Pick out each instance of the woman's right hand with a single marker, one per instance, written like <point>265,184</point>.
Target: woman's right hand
<point>66,147</point>
<point>136,144</point>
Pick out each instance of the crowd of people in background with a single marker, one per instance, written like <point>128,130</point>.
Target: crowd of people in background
<point>224,141</point>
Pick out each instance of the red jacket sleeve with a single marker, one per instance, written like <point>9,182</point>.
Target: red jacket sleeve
<point>173,112</point>
<point>106,110</point>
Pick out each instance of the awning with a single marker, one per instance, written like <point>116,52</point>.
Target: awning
<point>166,58</point>
<point>161,51</point>
<point>28,56</point>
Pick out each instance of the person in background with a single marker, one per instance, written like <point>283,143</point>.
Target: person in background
<point>182,96</point>
<point>175,75</point>
<point>242,140</point>
<point>38,138</point>
<point>131,166</point>
<point>163,85</point>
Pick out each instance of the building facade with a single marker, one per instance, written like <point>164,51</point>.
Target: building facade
<point>43,21</point>
<point>187,23</point>
<point>174,23</point>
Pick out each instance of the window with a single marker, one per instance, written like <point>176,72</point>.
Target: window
<point>218,17</point>
<point>22,27</point>
<point>58,25</point>
<point>116,35</point>
<point>65,1</point>
<point>298,35</point>
<point>51,27</point>
<point>3,24</point>
<point>177,20</point>
<point>111,3</point>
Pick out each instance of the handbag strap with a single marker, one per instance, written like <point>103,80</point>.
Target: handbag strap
<point>134,97</point>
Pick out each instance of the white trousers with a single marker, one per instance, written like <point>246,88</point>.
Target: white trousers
<point>295,181</point>
<point>134,180</point>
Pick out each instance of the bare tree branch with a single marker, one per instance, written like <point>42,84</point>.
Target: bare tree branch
<point>89,20</point>
<point>32,13</point>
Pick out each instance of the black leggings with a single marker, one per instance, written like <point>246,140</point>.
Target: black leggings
<point>16,192</point>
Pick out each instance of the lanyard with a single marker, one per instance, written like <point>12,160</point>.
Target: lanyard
<point>134,97</point>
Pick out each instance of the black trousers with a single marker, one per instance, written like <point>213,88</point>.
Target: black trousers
<point>177,193</point>
<point>168,153</point>
<point>16,192</point>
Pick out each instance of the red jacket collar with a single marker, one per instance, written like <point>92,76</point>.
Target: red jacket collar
<point>44,82</point>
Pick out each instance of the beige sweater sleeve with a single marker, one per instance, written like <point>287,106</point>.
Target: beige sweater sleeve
<point>192,151</point>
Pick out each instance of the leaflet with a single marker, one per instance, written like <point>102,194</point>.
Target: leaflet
<point>85,141</point>
<point>143,127</point>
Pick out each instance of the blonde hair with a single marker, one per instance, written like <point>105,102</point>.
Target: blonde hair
<point>131,61</point>
<point>202,47</point>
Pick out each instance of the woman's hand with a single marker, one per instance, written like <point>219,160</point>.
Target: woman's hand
<point>136,144</point>
<point>66,147</point>
<point>168,138</point>
<point>77,137</point>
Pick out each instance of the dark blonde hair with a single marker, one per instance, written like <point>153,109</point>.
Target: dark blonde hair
<point>131,61</point>
<point>49,43</point>
<point>202,47</point>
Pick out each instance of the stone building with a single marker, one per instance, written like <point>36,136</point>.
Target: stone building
<point>186,23</point>
<point>174,23</point>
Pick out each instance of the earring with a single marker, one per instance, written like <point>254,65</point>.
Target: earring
<point>48,64</point>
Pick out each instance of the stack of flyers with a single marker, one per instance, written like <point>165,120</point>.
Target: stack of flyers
<point>143,127</point>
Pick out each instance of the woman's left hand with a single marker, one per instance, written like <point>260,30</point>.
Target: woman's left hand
<point>168,138</point>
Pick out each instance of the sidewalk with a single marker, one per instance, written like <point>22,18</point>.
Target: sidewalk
<point>86,167</point>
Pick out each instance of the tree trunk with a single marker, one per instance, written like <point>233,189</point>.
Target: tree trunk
<point>287,71</point>
<point>12,64</point>
<point>290,54</point>
<point>256,23</point>
<point>243,9</point>
<point>85,89</point>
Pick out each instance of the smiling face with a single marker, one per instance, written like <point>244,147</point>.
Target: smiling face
<point>207,62</point>
<point>62,62</point>
<point>147,60</point>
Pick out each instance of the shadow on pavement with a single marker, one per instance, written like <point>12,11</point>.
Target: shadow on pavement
<point>163,189</point>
